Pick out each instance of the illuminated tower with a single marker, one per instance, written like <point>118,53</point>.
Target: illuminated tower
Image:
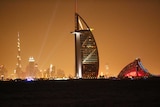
<point>86,52</point>
<point>30,70</point>
<point>19,66</point>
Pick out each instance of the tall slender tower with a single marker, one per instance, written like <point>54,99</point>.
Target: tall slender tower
<point>19,66</point>
<point>86,52</point>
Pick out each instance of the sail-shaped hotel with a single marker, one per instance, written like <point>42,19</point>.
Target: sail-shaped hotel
<point>86,52</point>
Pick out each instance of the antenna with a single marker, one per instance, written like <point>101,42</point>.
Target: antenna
<point>76,17</point>
<point>18,34</point>
<point>76,6</point>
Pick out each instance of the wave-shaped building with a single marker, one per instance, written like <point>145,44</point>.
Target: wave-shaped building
<point>134,69</point>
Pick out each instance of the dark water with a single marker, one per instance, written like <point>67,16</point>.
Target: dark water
<point>81,93</point>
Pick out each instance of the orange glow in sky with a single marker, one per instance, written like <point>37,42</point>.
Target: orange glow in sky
<point>123,29</point>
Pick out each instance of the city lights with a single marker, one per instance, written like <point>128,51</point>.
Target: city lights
<point>36,41</point>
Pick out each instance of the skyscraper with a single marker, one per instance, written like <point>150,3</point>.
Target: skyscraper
<point>19,66</point>
<point>86,52</point>
<point>31,68</point>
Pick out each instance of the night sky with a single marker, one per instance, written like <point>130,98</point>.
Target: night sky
<point>123,29</point>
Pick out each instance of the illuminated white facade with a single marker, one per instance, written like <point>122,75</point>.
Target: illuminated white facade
<point>31,59</point>
<point>86,52</point>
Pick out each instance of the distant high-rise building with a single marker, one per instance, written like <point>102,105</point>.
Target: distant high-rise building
<point>19,66</point>
<point>50,72</point>
<point>3,72</point>
<point>31,68</point>
<point>86,52</point>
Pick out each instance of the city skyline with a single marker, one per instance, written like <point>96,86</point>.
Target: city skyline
<point>123,30</point>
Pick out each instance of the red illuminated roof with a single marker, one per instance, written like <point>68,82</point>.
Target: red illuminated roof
<point>133,70</point>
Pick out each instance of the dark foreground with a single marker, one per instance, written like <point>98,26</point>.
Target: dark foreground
<point>81,93</point>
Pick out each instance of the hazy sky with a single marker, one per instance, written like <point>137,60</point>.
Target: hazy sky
<point>123,29</point>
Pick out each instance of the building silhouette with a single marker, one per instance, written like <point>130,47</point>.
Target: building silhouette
<point>134,70</point>
<point>86,52</point>
<point>32,69</point>
<point>19,66</point>
<point>50,72</point>
<point>3,72</point>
